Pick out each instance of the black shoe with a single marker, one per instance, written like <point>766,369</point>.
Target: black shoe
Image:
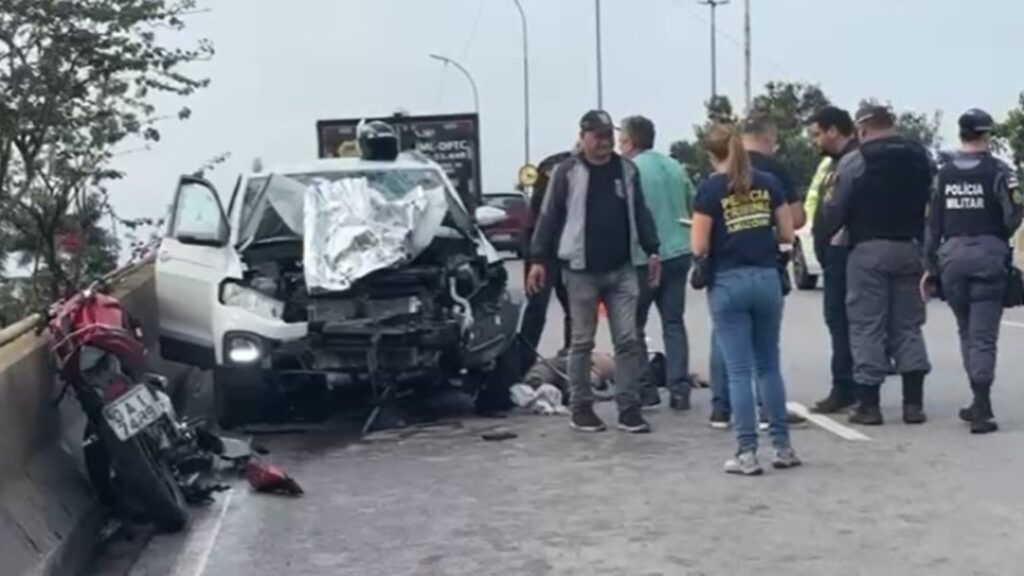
<point>914,414</point>
<point>679,403</point>
<point>720,419</point>
<point>837,401</point>
<point>980,416</point>
<point>867,416</point>
<point>631,421</point>
<point>585,420</point>
<point>652,401</point>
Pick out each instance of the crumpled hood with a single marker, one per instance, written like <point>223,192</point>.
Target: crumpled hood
<point>351,230</point>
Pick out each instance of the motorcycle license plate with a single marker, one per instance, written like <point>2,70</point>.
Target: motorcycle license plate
<point>133,412</point>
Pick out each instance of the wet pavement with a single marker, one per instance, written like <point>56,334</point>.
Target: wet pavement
<point>442,501</point>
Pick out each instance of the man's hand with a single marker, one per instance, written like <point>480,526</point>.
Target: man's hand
<point>925,287</point>
<point>654,271</point>
<point>535,279</point>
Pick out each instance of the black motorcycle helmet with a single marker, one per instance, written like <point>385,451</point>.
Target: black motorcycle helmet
<point>377,141</point>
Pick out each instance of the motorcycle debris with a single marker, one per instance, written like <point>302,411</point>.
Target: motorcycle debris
<point>270,479</point>
<point>500,436</point>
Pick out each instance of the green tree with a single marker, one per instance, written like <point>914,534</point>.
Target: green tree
<point>791,105</point>
<point>1010,133</point>
<point>788,104</point>
<point>76,81</point>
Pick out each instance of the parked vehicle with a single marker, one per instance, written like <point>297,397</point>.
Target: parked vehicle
<point>806,268</point>
<point>137,452</point>
<point>510,233</point>
<point>349,274</point>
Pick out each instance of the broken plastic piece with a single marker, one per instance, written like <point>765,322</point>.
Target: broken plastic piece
<point>499,436</point>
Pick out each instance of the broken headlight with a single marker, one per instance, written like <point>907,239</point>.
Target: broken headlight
<point>238,296</point>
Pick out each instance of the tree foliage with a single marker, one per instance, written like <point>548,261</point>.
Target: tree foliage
<point>788,104</point>
<point>77,79</point>
<point>1010,133</point>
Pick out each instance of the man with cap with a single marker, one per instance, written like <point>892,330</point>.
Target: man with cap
<point>879,201</point>
<point>975,210</point>
<point>595,223</point>
<point>834,135</point>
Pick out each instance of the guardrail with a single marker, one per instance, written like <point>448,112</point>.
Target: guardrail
<point>29,323</point>
<point>48,514</point>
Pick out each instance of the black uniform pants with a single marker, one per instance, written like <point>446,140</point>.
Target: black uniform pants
<point>834,265</point>
<point>973,275</point>
<point>536,313</point>
<point>886,312</point>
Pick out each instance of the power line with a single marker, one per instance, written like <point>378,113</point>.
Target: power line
<point>728,37</point>
<point>473,32</point>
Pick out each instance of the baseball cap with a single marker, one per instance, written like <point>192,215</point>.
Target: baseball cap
<point>976,121</point>
<point>597,121</point>
<point>873,112</point>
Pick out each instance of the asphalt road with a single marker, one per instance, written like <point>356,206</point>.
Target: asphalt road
<point>929,500</point>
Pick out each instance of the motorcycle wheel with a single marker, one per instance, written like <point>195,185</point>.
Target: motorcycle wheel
<point>152,484</point>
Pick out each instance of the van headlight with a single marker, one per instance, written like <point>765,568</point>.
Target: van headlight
<point>238,296</point>
<point>243,349</point>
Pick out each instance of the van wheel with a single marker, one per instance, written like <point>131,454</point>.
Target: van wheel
<point>241,397</point>
<point>802,279</point>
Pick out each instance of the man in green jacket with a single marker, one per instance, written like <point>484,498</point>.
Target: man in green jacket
<point>668,193</point>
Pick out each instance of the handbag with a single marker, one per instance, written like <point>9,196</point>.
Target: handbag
<point>1013,295</point>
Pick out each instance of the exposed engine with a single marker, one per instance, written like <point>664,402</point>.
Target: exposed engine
<point>443,312</point>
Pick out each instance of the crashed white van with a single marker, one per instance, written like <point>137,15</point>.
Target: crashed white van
<point>337,273</point>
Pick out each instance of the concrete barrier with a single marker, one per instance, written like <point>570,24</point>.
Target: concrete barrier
<point>48,515</point>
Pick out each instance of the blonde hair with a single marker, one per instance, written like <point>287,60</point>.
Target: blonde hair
<point>725,145</point>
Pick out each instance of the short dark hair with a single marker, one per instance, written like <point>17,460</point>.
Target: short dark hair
<point>640,130</point>
<point>758,123</point>
<point>833,117</point>
<point>875,116</point>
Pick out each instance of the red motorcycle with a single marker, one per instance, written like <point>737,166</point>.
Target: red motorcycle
<point>137,453</point>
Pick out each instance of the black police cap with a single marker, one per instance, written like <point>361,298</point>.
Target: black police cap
<point>976,121</point>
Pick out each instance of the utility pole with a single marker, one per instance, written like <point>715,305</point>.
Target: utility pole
<point>526,85</point>
<point>746,54</point>
<point>600,78</point>
<point>713,5</point>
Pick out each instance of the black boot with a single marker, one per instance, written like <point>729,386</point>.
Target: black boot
<point>979,413</point>
<point>913,398</point>
<point>868,413</point>
<point>841,398</point>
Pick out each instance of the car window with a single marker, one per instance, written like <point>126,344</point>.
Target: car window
<point>252,190</point>
<point>505,202</point>
<point>197,214</point>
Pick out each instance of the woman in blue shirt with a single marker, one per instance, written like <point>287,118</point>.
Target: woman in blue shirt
<point>740,220</point>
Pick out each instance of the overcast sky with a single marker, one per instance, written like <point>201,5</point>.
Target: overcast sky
<point>281,67</point>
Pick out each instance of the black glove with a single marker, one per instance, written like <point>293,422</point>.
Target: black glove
<point>784,277</point>
<point>701,277</point>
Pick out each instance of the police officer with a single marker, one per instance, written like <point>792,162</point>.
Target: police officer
<point>975,210</point>
<point>879,201</point>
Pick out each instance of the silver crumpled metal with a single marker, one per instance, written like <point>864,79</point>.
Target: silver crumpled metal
<point>351,230</point>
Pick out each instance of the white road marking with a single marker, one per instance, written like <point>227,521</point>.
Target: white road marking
<point>197,550</point>
<point>1013,324</point>
<point>828,424</point>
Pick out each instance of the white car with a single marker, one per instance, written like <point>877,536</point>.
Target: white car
<point>806,268</point>
<point>406,289</point>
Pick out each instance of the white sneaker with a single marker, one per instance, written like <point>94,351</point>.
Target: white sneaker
<point>744,464</point>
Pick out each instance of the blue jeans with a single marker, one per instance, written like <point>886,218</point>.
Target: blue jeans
<point>670,296</point>
<point>746,307</point>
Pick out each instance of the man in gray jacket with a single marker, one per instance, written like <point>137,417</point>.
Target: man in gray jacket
<point>592,219</point>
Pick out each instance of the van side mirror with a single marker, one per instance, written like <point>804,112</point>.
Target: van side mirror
<point>487,216</point>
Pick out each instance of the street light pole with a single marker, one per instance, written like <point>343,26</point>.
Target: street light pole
<point>746,53</point>
<point>526,85</point>
<point>714,4</point>
<point>472,83</point>
<point>600,66</point>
